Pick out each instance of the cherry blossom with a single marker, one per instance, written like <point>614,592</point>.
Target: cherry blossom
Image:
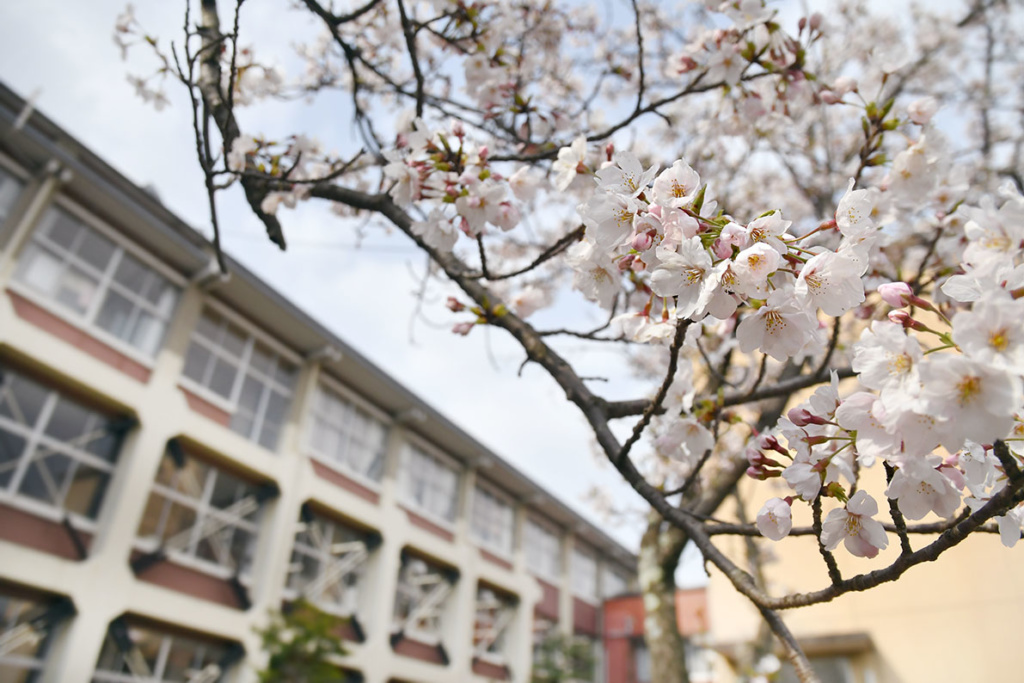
<point>855,528</point>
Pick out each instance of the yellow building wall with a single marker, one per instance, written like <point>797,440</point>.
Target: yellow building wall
<point>957,619</point>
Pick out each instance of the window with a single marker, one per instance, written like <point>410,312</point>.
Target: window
<point>543,551</point>
<point>428,484</point>
<point>26,624</point>
<point>203,515</point>
<point>132,653</point>
<point>256,381</point>
<point>614,583</point>
<point>327,565</point>
<point>421,594</point>
<point>584,575</point>
<point>345,434</point>
<point>642,660</point>
<point>491,522</point>
<point>96,281</point>
<point>53,450</point>
<point>10,188</point>
<point>494,613</point>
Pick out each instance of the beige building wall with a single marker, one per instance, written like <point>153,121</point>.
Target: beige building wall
<point>953,620</point>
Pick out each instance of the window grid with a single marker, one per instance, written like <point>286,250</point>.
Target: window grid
<point>420,597</point>
<point>543,551</point>
<point>157,657</point>
<point>53,450</point>
<point>492,521</point>
<point>315,559</point>
<point>584,575</point>
<point>203,515</point>
<point>347,435</point>
<point>429,485</point>
<point>494,613</point>
<point>98,281</point>
<point>256,382</point>
<point>21,654</point>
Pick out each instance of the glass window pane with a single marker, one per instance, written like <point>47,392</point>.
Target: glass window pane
<point>95,250</point>
<point>68,421</point>
<point>61,228</point>
<point>131,274</point>
<point>147,334</point>
<point>226,491</point>
<point>85,491</point>
<point>21,399</point>
<point>12,448</point>
<point>222,380</point>
<point>115,315</point>
<point>76,290</point>
<point>40,270</point>
<point>196,360</point>
<point>262,359</point>
<point>233,340</point>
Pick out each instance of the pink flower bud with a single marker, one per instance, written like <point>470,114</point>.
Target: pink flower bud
<point>802,417</point>
<point>457,129</point>
<point>454,305</point>
<point>609,150</point>
<point>903,318</point>
<point>686,64</point>
<point>815,21</point>
<point>642,241</point>
<point>462,328</point>
<point>829,97</point>
<point>896,294</point>
<point>626,262</point>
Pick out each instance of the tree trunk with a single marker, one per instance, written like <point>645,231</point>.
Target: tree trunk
<point>658,586</point>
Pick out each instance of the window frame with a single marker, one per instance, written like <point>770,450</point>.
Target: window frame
<point>254,335</point>
<point>508,601</point>
<point>87,322</point>
<point>432,452</point>
<point>551,530</point>
<point>488,489</point>
<point>35,437</point>
<point>203,510</point>
<point>413,631</point>
<point>167,637</point>
<point>328,384</point>
<point>325,557</point>
<point>579,550</point>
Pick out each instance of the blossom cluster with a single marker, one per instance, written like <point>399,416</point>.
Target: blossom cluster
<point>454,177</point>
<point>938,389</point>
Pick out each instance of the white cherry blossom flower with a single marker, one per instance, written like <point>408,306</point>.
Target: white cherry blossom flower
<point>568,162</point>
<point>775,519</point>
<point>854,215</point>
<point>437,231</point>
<point>781,328</point>
<point>676,186</point>
<point>855,528</point>
<point>992,332</point>
<point>832,282</point>
<point>886,359</point>
<point>625,175</point>
<point>977,401</point>
<point>919,488</point>
<point>682,275</point>
<point>752,266</point>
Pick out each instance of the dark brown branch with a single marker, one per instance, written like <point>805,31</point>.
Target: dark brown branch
<point>826,554</point>
<point>659,398</point>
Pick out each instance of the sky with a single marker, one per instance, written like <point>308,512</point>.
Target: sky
<point>62,55</point>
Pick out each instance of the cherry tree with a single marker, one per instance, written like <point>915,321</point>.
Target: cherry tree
<point>806,231</point>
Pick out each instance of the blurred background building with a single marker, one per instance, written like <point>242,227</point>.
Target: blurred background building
<point>181,452</point>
